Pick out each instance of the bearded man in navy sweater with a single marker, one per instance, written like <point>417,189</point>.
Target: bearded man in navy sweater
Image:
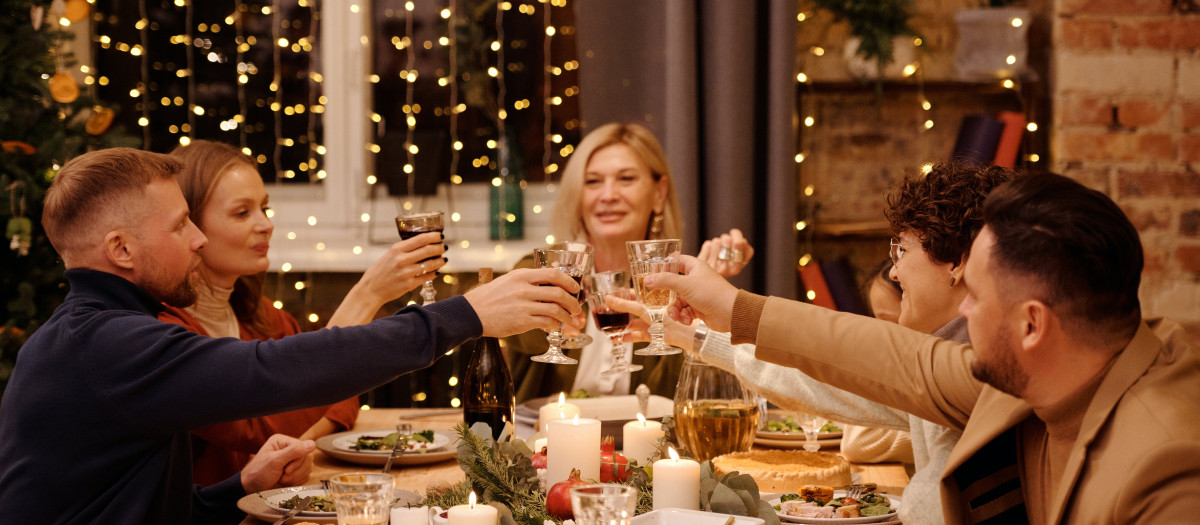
<point>94,423</point>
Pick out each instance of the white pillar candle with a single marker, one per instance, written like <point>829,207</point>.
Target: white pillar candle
<point>639,438</point>
<point>572,443</point>
<point>473,514</point>
<point>412,515</point>
<point>676,483</point>
<point>555,410</point>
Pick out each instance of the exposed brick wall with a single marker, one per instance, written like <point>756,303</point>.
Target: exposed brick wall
<point>1126,89</point>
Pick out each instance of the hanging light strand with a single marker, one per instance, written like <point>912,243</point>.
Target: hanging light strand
<point>144,38</point>
<point>410,114</point>
<point>315,83</point>
<point>277,92</point>
<point>242,70</point>
<point>189,16</point>
<point>547,65</point>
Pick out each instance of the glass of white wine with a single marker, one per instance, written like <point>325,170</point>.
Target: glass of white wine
<point>645,258</point>
<point>574,264</point>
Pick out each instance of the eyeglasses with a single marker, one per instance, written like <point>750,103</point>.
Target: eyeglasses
<point>896,249</point>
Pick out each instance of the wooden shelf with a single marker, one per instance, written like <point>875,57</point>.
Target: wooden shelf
<point>853,229</point>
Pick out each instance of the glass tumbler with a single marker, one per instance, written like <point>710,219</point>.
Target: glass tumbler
<point>362,498</point>
<point>603,504</point>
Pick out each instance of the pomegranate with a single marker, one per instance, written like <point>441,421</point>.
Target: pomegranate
<point>558,500</point>
<point>539,459</point>
<point>613,465</point>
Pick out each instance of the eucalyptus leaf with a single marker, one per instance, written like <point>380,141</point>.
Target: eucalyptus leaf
<point>767,513</point>
<point>724,500</point>
<point>743,482</point>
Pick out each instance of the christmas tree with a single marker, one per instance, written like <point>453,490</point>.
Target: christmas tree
<point>45,120</point>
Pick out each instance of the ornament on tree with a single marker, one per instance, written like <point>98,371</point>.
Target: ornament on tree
<point>16,146</point>
<point>99,122</point>
<point>20,228</point>
<point>63,87</point>
<point>76,10</point>
<point>37,13</point>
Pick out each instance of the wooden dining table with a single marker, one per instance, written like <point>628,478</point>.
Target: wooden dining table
<point>890,477</point>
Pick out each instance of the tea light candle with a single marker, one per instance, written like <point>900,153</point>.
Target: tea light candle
<point>676,483</point>
<point>639,439</point>
<point>411,515</point>
<point>560,410</point>
<point>572,443</point>
<point>472,514</point>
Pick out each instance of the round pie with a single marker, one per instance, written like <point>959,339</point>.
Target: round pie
<point>786,470</point>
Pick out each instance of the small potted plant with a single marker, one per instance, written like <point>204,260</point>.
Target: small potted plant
<point>991,40</point>
<point>880,33</point>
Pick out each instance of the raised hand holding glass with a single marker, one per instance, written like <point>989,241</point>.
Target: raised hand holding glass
<point>414,224</point>
<point>649,257</point>
<point>599,287</point>
<point>574,264</point>
<point>575,340</point>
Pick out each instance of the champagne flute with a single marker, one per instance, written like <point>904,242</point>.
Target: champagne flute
<point>574,264</point>
<point>811,425</point>
<point>580,339</point>
<point>414,224</point>
<point>645,258</point>
<point>601,286</point>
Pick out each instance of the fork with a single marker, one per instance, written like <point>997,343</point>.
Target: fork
<point>857,490</point>
<point>300,507</point>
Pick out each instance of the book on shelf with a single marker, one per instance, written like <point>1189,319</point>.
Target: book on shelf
<point>1010,139</point>
<point>978,136</point>
<point>813,280</point>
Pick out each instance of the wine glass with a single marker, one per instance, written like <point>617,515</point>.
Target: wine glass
<point>579,339</point>
<point>414,224</point>
<point>601,286</point>
<point>645,258</point>
<point>811,424</point>
<point>574,264</point>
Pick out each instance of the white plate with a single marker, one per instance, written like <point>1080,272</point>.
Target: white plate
<point>325,444</point>
<point>690,517</point>
<point>275,500</point>
<point>840,521</point>
<point>797,443</point>
<point>256,504</point>
<point>349,439</point>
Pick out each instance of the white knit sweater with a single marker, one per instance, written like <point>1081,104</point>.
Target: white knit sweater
<point>793,390</point>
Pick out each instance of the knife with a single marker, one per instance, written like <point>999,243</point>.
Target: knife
<point>402,430</point>
<point>300,507</point>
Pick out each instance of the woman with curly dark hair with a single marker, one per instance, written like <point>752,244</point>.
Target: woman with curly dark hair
<point>935,217</point>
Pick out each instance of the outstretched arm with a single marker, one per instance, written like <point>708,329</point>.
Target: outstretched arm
<point>403,267</point>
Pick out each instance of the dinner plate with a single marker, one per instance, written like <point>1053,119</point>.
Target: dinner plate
<point>258,505</point>
<point>794,436</point>
<point>326,444</point>
<point>349,439</point>
<point>275,500</point>
<point>691,517</point>
<point>796,443</point>
<point>895,500</point>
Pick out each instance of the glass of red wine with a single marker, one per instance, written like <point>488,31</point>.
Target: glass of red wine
<point>574,264</point>
<point>600,287</point>
<point>414,224</point>
<point>577,339</point>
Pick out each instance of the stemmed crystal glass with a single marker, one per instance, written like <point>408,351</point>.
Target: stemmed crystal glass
<point>414,224</point>
<point>578,339</point>
<point>645,258</point>
<point>600,286</point>
<point>811,425</point>
<point>574,264</point>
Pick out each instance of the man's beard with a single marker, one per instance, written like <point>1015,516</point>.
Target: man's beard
<point>1001,371</point>
<point>182,294</point>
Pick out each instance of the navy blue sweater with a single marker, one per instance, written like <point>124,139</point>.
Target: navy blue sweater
<point>94,422</point>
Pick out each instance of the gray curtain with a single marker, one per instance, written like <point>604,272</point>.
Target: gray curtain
<point>713,79</point>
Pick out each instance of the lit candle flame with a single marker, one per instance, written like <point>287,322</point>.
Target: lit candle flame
<point>642,419</point>
<point>670,452</point>
<point>575,420</point>
<point>471,499</point>
<point>562,398</point>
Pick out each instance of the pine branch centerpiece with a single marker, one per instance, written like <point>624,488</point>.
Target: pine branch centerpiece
<point>502,474</point>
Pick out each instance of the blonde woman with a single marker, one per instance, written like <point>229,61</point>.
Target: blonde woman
<point>616,187</point>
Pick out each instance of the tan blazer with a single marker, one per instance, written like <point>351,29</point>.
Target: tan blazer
<point>1137,455</point>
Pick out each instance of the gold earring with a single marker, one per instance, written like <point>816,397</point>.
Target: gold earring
<point>656,223</point>
<point>954,281</point>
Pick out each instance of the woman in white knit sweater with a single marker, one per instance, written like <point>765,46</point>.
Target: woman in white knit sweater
<point>935,217</point>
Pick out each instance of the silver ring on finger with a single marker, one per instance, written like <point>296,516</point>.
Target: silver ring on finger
<point>736,255</point>
<point>724,254</point>
<point>423,272</point>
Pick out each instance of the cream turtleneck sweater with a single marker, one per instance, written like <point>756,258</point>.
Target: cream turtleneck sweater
<point>213,311</point>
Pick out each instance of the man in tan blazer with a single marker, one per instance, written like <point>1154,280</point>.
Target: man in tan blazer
<point>1073,408</point>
